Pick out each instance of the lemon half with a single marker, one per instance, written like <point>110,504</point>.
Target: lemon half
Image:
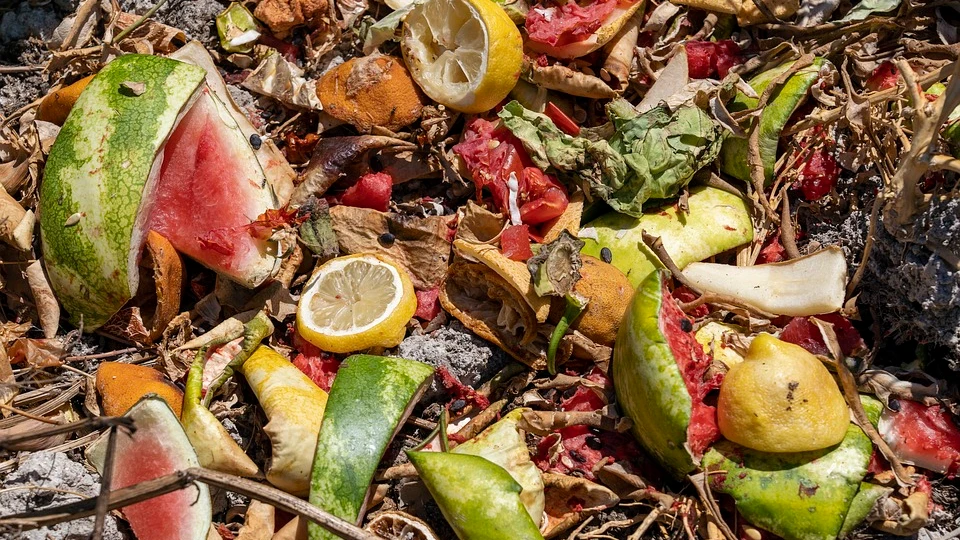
<point>464,54</point>
<point>356,302</point>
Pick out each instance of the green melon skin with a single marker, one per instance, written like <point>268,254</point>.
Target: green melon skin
<point>98,168</point>
<point>158,439</point>
<point>649,386</point>
<point>370,397</point>
<point>479,498</point>
<point>717,221</point>
<point>780,106</point>
<point>797,496</point>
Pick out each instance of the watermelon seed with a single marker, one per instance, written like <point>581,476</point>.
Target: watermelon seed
<point>387,239</point>
<point>255,141</point>
<point>606,255</point>
<point>74,219</point>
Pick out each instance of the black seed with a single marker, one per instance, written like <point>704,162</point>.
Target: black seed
<point>387,239</point>
<point>594,442</point>
<point>457,405</point>
<point>606,255</point>
<point>686,325</point>
<point>255,141</point>
<point>894,405</point>
<point>577,456</point>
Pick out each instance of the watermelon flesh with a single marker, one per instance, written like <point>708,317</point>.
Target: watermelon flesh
<point>158,447</point>
<point>209,190</point>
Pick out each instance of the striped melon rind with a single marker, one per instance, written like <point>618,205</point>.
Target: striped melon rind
<point>103,167</point>
<point>368,401</point>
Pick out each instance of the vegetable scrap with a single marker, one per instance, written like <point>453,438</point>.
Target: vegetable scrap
<point>479,269</point>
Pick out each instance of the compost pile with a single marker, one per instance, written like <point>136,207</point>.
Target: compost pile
<point>430,269</point>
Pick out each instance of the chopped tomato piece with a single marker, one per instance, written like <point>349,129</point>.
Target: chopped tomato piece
<point>707,59</point>
<point>819,175</point>
<point>515,243</point>
<point>371,191</point>
<point>885,76</point>
<point>562,121</point>
<point>428,304</point>
<point>801,331</point>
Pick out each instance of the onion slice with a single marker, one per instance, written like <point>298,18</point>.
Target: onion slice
<point>809,285</point>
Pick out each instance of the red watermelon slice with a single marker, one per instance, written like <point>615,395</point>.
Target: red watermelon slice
<point>158,447</point>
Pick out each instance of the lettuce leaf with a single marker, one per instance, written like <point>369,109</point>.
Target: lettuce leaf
<point>652,155</point>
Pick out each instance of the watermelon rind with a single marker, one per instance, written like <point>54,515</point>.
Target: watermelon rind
<point>370,397</point>
<point>97,170</point>
<point>479,498</point>
<point>648,382</point>
<point>717,221</point>
<point>102,172</point>
<point>503,444</point>
<point>154,419</point>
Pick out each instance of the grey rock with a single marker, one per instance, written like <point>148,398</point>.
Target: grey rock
<point>467,357</point>
<point>912,293</point>
<point>46,479</point>
<point>28,21</point>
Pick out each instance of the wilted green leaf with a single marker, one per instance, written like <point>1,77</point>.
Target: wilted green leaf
<point>317,231</point>
<point>556,269</point>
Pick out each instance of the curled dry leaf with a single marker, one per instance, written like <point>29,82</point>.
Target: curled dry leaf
<point>420,245</point>
<point>546,422</point>
<point>569,81</point>
<point>513,272</point>
<point>283,81</point>
<point>48,309</point>
<point>258,522</point>
<point>570,499</point>
<point>36,353</point>
<point>16,223</point>
<point>63,415</point>
<point>8,382</point>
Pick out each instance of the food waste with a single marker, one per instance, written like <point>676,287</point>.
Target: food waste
<point>482,269</point>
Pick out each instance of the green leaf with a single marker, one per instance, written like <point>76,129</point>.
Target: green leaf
<point>651,155</point>
<point>868,7</point>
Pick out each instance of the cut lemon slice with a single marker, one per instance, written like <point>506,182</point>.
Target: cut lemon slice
<point>356,302</point>
<point>464,54</point>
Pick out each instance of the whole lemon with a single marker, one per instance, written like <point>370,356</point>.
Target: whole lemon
<point>781,399</point>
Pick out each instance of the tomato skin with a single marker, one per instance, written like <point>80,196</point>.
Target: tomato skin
<point>562,121</point>
<point>515,243</point>
<point>819,175</point>
<point>885,76</point>
<point>707,59</point>
<point>371,191</point>
<point>492,154</point>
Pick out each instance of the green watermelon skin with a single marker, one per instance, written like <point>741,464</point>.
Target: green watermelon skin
<point>98,168</point>
<point>479,498</point>
<point>369,398</point>
<point>797,496</point>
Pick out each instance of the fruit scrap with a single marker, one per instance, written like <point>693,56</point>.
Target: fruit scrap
<point>122,385</point>
<point>371,91</point>
<point>372,191</point>
<point>214,446</point>
<point>717,221</point>
<point>797,496</point>
<point>370,398</point>
<point>294,406</point>
<point>478,497</point>
<point>57,105</point>
<point>572,30</point>
<point>282,16</point>
<point>503,444</point>
<point>92,264</point>
<point>237,29</point>
<point>773,118</point>
<point>156,448</point>
<point>659,374</point>
<point>923,435</point>
<point>781,398</point>
<point>809,285</point>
